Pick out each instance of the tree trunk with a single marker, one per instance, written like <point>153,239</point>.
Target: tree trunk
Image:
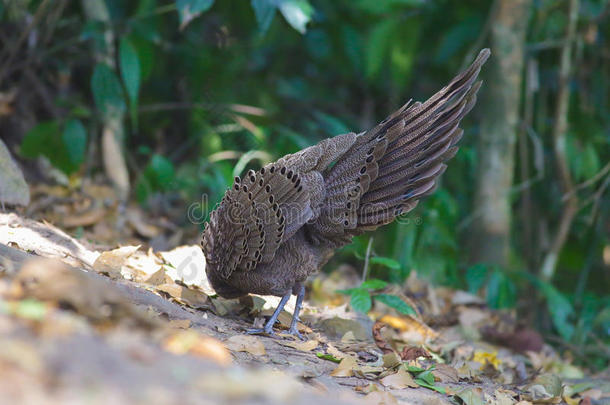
<point>499,127</point>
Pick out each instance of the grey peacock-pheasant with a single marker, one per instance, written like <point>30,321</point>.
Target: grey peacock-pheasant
<point>277,226</point>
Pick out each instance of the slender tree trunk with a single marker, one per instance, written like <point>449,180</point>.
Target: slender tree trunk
<point>547,270</point>
<point>499,127</point>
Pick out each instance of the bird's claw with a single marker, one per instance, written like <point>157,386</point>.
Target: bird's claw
<point>295,332</point>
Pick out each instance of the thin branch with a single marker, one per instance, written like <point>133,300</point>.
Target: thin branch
<point>588,182</point>
<point>366,259</point>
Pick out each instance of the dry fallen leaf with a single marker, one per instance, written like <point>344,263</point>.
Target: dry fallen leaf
<point>345,368</point>
<point>112,261</point>
<point>186,296</point>
<point>306,346</point>
<point>487,358</point>
<point>180,323</point>
<point>51,280</point>
<point>401,379</point>
<point>413,352</point>
<point>246,343</point>
<point>546,389</point>
<point>445,373</point>
<point>190,341</point>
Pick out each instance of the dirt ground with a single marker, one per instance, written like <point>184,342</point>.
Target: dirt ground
<point>83,322</point>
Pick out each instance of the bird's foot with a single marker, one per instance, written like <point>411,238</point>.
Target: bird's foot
<point>293,331</point>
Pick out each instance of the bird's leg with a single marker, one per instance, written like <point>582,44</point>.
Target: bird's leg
<point>269,325</point>
<point>295,316</point>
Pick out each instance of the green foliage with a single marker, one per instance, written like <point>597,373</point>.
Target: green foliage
<point>64,145</point>
<point>361,297</point>
<point>107,90</point>
<point>129,63</point>
<point>159,176</point>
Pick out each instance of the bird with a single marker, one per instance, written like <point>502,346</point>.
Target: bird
<point>277,226</point>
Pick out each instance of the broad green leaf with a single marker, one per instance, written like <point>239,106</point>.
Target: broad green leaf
<point>347,291</point>
<point>74,138</point>
<point>414,369</point>
<point>47,139</point>
<point>501,292</point>
<point>107,90</point>
<point>385,261</point>
<point>361,300</point>
<point>130,72</point>
<point>426,384</point>
<point>36,140</point>
<point>297,13</point>
<point>190,9</point>
<point>378,44</point>
<point>374,284</point>
<point>560,309</point>
<point>352,46</point>
<point>264,11</point>
<point>395,302</point>
<point>163,170</point>
<point>427,376</point>
<point>476,276</point>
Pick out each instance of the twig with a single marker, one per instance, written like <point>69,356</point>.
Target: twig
<point>366,259</point>
<point>549,264</point>
<point>588,182</point>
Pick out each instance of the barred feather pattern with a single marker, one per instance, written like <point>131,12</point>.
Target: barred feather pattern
<point>276,226</point>
<point>392,166</point>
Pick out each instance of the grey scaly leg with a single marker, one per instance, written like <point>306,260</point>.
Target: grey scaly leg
<point>295,316</point>
<point>269,325</point>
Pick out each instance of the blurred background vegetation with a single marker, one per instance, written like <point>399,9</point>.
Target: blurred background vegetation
<point>169,100</point>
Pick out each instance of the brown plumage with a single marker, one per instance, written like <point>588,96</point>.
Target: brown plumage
<point>277,226</point>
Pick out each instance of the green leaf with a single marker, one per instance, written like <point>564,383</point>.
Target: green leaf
<point>501,292</point>
<point>374,284</point>
<point>347,291</point>
<point>330,357</point>
<point>476,276</point>
<point>264,11</point>
<point>425,384</point>
<point>385,261</point>
<point>74,138</point>
<point>64,149</point>
<point>31,309</point>
<point>163,170</point>
<point>377,46</point>
<point>107,91</point>
<point>36,140</point>
<point>427,377</point>
<point>130,72</point>
<point>560,309</point>
<point>414,369</point>
<point>361,300</point>
<point>190,9</point>
<point>297,13</point>
<point>395,302</point>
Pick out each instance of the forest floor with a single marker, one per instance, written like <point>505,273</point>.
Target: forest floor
<point>82,320</point>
